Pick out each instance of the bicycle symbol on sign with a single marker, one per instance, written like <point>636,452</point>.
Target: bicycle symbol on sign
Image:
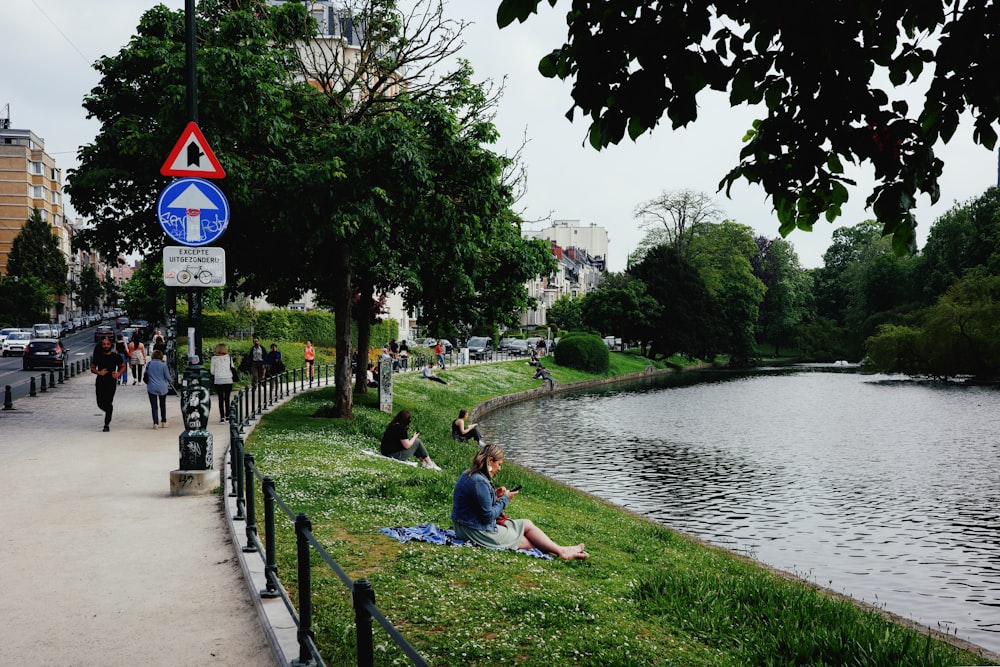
<point>199,273</point>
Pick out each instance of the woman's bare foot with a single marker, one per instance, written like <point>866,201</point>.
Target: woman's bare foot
<point>574,553</point>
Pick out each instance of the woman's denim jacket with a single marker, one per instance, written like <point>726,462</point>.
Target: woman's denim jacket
<point>475,504</point>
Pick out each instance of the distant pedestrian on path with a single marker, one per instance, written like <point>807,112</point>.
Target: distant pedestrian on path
<point>136,359</point>
<point>257,356</point>
<point>108,365</point>
<point>439,353</point>
<point>222,378</point>
<point>157,385</point>
<point>309,354</point>
<point>122,349</point>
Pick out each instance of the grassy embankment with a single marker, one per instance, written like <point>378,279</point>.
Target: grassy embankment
<point>647,596</point>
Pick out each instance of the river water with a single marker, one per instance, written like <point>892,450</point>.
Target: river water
<point>875,486</point>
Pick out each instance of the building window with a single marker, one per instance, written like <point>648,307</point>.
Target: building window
<point>37,192</point>
<point>43,214</point>
<point>37,168</point>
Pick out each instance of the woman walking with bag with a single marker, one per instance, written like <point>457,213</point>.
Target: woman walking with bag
<point>136,359</point>
<point>222,378</point>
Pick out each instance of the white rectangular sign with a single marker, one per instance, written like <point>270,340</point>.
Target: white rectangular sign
<point>199,266</point>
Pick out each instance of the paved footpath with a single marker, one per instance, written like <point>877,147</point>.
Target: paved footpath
<point>99,564</point>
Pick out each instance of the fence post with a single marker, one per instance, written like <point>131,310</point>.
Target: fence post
<point>235,465</point>
<point>305,631</point>
<point>361,594</point>
<point>270,542</point>
<point>251,510</point>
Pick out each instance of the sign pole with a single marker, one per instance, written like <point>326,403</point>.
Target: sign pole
<point>194,347</point>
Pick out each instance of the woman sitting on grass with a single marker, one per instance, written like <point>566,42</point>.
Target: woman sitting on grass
<point>465,432</point>
<point>478,512</point>
<point>397,444</point>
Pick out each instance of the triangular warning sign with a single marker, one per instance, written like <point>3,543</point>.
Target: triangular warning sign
<point>192,156</point>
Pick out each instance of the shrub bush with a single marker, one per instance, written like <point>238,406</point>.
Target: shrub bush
<point>583,351</point>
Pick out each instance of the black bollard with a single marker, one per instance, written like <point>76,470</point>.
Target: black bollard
<point>31,387</point>
<point>8,398</point>
<point>52,379</point>
<point>43,388</point>
<point>62,379</point>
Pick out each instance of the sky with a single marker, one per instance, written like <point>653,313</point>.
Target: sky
<point>48,46</point>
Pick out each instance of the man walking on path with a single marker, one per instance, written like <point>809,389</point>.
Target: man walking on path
<point>108,366</point>
<point>257,356</point>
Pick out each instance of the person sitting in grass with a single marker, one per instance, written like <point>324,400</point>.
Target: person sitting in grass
<point>429,374</point>
<point>465,432</point>
<point>398,444</point>
<point>545,375</point>
<point>478,511</point>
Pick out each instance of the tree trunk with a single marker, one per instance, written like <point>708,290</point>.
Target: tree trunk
<point>365,314</point>
<point>343,401</point>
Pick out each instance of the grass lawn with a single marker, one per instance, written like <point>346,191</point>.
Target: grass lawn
<point>647,595</point>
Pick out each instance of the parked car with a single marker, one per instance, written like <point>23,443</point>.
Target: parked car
<point>44,330</point>
<point>104,331</point>
<point>68,327</point>
<point>480,347</point>
<point>43,353</point>
<point>123,322</point>
<point>504,344</point>
<point>5,332</point>
<point>514,346</point>
<point>14,344</point>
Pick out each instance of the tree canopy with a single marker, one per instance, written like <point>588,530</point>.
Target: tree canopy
<point>35,253</point>
<point>354,166</point>
<point>830,77</point>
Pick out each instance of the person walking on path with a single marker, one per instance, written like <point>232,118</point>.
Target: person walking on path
<point>309,354</point>
<point>222,378</point>
<point>108,365</point>
<point>122,349</point>
<point>257,356</point>
<point>157,384</point>
<point>439,353</point>
<point>136,359</point>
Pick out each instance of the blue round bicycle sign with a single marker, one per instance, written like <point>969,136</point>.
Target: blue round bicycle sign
<point>193,211</point>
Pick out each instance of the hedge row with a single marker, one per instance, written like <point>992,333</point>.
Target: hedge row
<point>278,325</point>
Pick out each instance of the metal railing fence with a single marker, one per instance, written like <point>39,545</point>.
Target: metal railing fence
<point>247,405</point>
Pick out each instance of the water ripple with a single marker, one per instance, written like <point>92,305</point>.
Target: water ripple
<point>875,486</point>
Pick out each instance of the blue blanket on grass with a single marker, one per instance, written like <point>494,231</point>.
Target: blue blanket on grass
<point>428,532</point>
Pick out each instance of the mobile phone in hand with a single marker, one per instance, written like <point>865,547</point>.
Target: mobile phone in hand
<point>517,488</point>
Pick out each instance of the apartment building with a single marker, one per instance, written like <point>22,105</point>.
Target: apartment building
<point>581,251</point>
<point>30,180</point>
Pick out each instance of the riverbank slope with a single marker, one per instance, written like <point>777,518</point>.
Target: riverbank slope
<point>647,596</point>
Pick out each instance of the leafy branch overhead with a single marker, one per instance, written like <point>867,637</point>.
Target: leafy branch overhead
<point>831,78</point>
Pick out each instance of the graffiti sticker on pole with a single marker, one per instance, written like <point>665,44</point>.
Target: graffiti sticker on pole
<point>193,211</point>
